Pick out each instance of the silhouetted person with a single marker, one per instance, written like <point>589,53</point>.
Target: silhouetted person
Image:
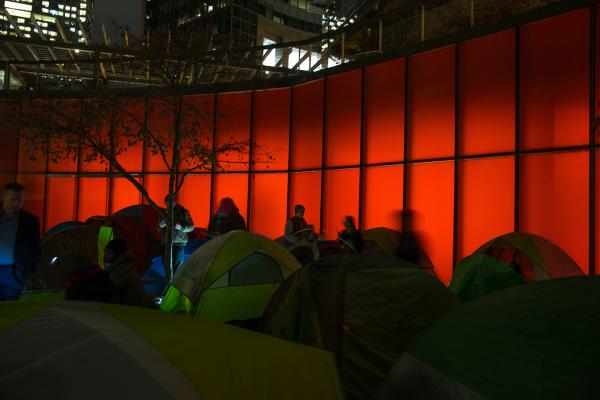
<point>227,219</point>
<point>85,281</point>
<point>407,247</point>
<point>183,225</point>
<point>121,268</point>
<point>19,242</point>
<point>296,228</point>
<point>351,236</point>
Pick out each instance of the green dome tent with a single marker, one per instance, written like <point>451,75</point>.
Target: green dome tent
<point>83,350</point>
<point>231,277</point>
<point>535,341</point>
<point>366,309</point>
<point>61,227</point>
<point>508,260</point>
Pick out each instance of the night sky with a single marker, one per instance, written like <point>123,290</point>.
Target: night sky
<point>114,13</point>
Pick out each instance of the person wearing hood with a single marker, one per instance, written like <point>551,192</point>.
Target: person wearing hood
<point>83,279</point>
<point>227,218</point>
<point>121,269</point>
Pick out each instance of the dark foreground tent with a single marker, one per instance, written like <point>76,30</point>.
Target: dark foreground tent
<point>79,350</point>
<point>535,341</point>
<point>366,309</point>
<point>508,260</point>
<point>80,239</point>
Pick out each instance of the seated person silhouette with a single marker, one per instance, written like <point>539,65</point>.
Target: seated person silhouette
<point>297,229</point>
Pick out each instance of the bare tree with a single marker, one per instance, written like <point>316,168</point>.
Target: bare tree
<point>100,124</point>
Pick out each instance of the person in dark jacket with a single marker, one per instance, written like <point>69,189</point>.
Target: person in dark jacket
<point>19,242</point>
<point>85,281</point>
<point>121,269</point>
<point>183,225</point>
<point>407,247</point>
<point>296,228</point>
<point>350,236</point>
<point>227,219</point>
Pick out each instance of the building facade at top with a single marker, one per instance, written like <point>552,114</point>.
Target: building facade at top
<point>54,20</point>
<point>240,22</point>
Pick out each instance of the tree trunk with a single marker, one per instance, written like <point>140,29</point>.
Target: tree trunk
<point>173,178</point>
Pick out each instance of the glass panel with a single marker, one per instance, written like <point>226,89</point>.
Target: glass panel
<point>9,137</point>
<point>486,198</point>
<point>157,187</point>
<point>342,146</point>
<point>34,193</point>
<point>60,201</point>
<point>305,189</point>
<point>92,196</point>
<point>340,198</point>
<point>382,196</point>
<point>197,122</point>
<point>487,94</point>
<point>271,129</point>
<point>233,123</point>
<point>384,112</point>
<point>123,194</point>
<point>89,160</point>
<point>63,153</point>
<point>555,201</point>
<point>130,118</point>
<point>234,186</point>
<point>431,198</point>
<point>269,204</point>
<point>555,81</point>
<point>161,122</point>
<point>5,179</point>
<point>30,159</point>
<point>307,126</point>
<point>195,197</point>
<point>431,104</point>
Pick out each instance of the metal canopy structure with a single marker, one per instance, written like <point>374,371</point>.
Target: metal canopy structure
<point>30,59</point>
<point>37,62</point>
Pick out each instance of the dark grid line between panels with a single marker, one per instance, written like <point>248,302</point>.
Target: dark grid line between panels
<point>566,149</point>
<point>361,172</point>
<point>455,194</point>
<point>211,200</point>
<point>592,144</point>
<point>290,141</point>
<point>250,162</point>
<point>517,152</point>
<point>406,139</point>
<point>323,154</point>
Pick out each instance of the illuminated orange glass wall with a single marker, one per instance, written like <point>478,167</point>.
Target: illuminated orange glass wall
<point>478,138</point>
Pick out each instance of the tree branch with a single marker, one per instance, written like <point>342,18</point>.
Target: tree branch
<point>150,134</point>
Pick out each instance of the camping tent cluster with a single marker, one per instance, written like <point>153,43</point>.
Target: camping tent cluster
<point>135,224</point>
<point>376,326</point>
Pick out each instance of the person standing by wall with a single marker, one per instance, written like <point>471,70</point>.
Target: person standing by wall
<point>19,242</point>
<point>183,225</point>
